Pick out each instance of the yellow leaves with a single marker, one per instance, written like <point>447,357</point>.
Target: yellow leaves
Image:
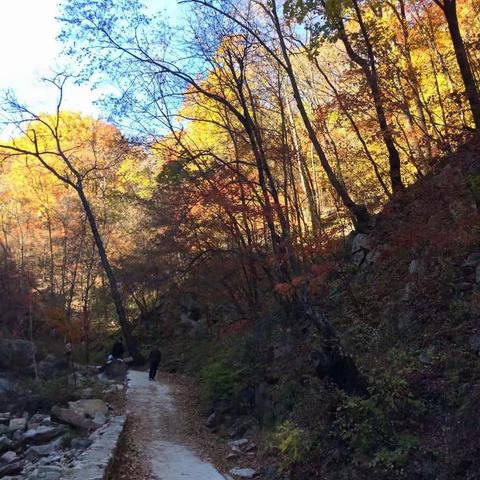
<point>134,178</point>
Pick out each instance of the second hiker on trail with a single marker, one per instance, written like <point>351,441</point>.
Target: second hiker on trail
<point>154,359</point>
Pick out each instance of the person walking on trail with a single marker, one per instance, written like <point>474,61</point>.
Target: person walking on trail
<point>154,359</point>
<point>118,350</point>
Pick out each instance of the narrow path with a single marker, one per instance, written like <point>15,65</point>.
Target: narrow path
<point>156,435</point>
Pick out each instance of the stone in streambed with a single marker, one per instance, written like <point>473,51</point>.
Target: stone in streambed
<point>17,424</point>
<point>243,472</point>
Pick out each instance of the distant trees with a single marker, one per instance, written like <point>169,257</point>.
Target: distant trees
<point>73,157</point>
<point>289,120</point>
<point>273,128</point>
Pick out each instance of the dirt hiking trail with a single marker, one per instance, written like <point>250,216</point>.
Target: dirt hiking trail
<point>155,435</point>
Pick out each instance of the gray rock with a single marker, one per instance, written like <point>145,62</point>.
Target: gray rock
<point>15,354</point>
<point>5,443</point>
<point>71,417</point>
<point>3,429</point>
<point>8,457</point>
<point>361,245</point>
<point>86,414</point>
<point>89,407</point>
<point>99,419</point>
<point>42,434</point>
<point>80,443</point>
<point>38,451</point>
<point>243,472</point>
<point>49,472</point>
<point>39,418</point>
<point>17,436</point>
<point>238,443</point>
<point>212,420</point>
<point>11,469</point>
<point>477,274</point>
<point>86,393</point>
<point>17,424</point>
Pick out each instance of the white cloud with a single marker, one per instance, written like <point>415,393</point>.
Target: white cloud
<point>28,32</point>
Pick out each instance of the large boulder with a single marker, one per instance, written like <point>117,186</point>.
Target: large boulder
<point>86,414</point>
<point>15,354</point>
<point>89,407</point>
<point>72,418</point>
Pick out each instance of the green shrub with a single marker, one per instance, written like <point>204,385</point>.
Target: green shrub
<point>217,381</point>
<point>378,429</point>
<point>291,443</point>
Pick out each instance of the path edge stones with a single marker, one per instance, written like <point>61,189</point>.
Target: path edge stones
<point>97,462</point>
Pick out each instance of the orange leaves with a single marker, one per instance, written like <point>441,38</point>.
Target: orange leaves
<point>289,289</point>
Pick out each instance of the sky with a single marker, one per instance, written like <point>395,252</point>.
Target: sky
<point>28,32</point>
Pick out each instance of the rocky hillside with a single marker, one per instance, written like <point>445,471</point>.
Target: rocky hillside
<point>404,301</point>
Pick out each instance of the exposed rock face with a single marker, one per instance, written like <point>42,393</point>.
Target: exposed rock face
<point>361,246</point>
<point>191,316</point>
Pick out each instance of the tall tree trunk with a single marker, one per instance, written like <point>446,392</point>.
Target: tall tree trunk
<point>368,66</point>
<point>359,213</point>
<point>449,8</point>
<point>114,291</point>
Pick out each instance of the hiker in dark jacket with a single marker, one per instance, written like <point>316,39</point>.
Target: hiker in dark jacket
<point>118,349</point>
<point>154,359</point>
